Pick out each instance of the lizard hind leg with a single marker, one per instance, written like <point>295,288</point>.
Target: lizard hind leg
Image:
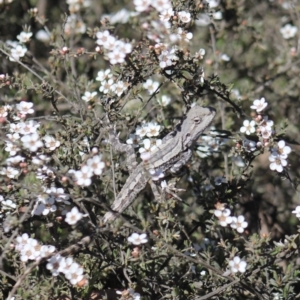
<point>166,188</point>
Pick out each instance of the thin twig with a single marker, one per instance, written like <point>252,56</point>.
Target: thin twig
<point>218,291</point>
<point>34,73</point>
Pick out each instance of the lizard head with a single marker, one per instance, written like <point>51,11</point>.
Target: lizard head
<point>197,120</point>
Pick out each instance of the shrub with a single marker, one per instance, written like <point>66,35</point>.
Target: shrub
<point>79,76</point>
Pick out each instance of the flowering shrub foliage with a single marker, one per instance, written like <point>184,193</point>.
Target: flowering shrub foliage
<point>71,71</point>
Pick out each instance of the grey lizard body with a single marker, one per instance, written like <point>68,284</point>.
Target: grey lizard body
<point>169,158</point>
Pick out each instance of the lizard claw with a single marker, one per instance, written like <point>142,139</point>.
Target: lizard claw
<point>171,190</point>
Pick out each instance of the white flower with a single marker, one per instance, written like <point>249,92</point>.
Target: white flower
<point>265,122</point>
<point>259,104</point>
<point>239,224</point>
<point>288,31</point>
<point>225,57</point>
<point>282,150</point>
<point>265,131</point>
<point>297,211</point>
<point>13,137</point>
<point>288,5</point>
<point>73,216</point>
<point>95,164</point>
<point>133,295</point>
<point>119,87</point>
<point>110,43</point>
<point>21,241</point>
<point>10,172</point>
<point>32,142</point>
<point>137,239</point>
<point>167,58</point>
<point>277,296</point>
<point>68,265</point>
<point>203,20</point>
<point>161,5</point>
<point>153,129</point>
<point>123,47</point>
<point>25,108</point>
<point>58,194</point>
<point>164,100</point>
<point>42,36</point>
<point>237,265</point>
<point>46,250</point>
<point>249,146</point>
<point>277,162</point>
<point>184,35</point>
<point>4,110</point>
<point>15,128</point>
<point>14,160</point>
<point>75,5</point>
<point>166,15</point>
<point>51,142</point>
<point>75,274</point>
<point>44,173</point>
<point>141,131</point>
<point>28,127</point>
<point>17,53</point>
<point>116,57</point>
<point>236,93</point>
<point>150,146</point>
<point>223,216</point>
<point>141,5</point>
<point>184,16</point>
<point>12,148</point>
<point>106,86</point>
<point>54,264</point>
<point>201,52</point>
<point>219,180</point>
<point>147,146</point>
<point>24,37</point>
<point>44,206</point>
<point>102,37</point>
<point>74,25</point>
<point>104,75</point>
<point>213,3</point>
<point>27,253</point>
<point>12,44</point>
<point>39,159</point>
<point>122,16</point>
<point>151,85</point>
<point>8,204</point>
<point>218,15</point>
<point>31,250</point>
<point>249,127</point>
<point>88,96</point>
<point>83,177</point>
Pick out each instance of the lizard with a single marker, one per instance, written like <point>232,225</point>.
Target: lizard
<point>169,158</point>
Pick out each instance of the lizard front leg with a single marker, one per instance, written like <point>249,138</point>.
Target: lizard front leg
<point>174,170</point>
<point>131,160</point>
<point>183,159</point>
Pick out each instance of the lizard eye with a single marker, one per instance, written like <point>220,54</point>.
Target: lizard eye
<point>197,120</point>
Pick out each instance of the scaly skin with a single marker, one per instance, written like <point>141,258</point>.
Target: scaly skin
<point>172,154</point>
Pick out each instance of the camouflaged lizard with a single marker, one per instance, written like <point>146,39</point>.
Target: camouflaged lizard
<point>169,158</point>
